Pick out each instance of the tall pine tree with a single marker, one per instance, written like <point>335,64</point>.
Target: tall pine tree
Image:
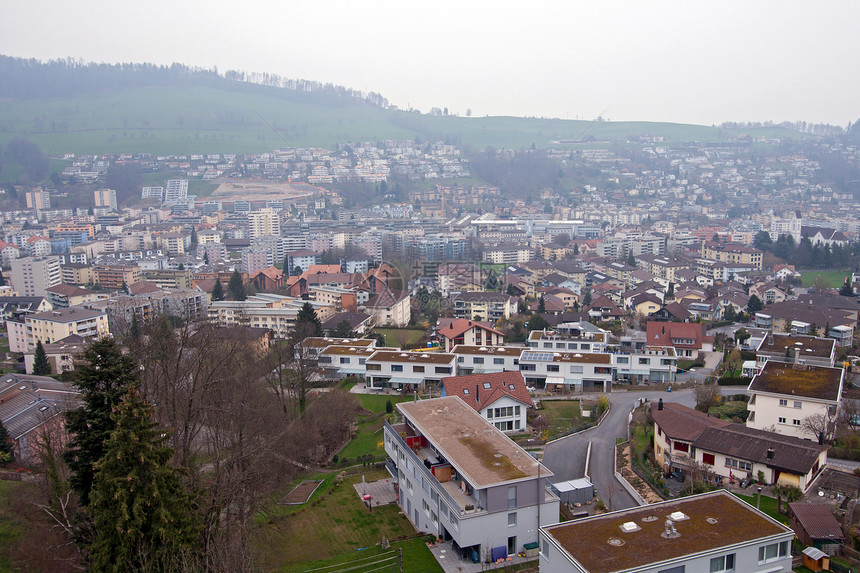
<point>41,366</point>
<point>5,446</point>
<point>236,287</point>
<point>103,381</point>
<point>217,291</point>
<point>307,322</point>
<point>142,514</point>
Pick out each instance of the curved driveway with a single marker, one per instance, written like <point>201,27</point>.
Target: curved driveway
<point>566,457</point>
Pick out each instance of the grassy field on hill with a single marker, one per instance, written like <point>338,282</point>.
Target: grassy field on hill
<point>183,120</point>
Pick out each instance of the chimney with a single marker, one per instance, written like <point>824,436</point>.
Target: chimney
<point>660,404</point>
<point>770,453</point>
<point>797,355</point>
<point>820,438</point>
<point>477,395</point>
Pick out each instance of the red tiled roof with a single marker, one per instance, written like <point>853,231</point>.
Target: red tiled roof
<point>500,386</point>
<point>453,329</point>
<point>662,333</point>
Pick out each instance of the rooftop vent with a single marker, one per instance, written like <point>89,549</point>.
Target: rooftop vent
<point>629,527</point>
<point>678,516</point>
<point>649,519</point>
<point>670,532</point>
<point>614,541</point>
<point>712,520</point>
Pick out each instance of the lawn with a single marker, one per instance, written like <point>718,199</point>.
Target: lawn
<point>416,557</point>
<point>402,337</point>
<point>561,415</point>
<point>333,526</point>
<point>11,528</point>
<point>833,279</point>
<point>768,506</point>
<point>368,440</point>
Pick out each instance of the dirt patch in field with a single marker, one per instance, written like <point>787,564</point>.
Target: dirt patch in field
<point>260,190</point>
<point>301,493</point>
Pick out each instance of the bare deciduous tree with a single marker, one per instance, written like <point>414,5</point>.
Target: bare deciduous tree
<point>706,395</point>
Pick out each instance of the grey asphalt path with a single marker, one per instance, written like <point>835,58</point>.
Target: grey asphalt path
<point>566,457</point>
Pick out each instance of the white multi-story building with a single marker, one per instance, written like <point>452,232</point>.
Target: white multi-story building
<point>409,370</point>
<point>783,396</point>
<point>38,199</point>
<point>712,532</point>
<point>105,198</point>
<point>265,222</point>
<point>152,192</point>
<point>176,191</point>
<point>486,359</point>
<point>491,505</point>
<point>31,276</point>
<point>54,325</point>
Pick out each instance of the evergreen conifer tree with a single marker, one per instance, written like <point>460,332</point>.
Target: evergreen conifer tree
<point>103,381</point>
<point>217,291</point>
<point>236,287</point>
<point>41,366</point>
<point>5,445</point>
<point>142,514</point>
<point>307,322</point>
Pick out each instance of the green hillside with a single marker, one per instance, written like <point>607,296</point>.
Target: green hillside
<point>220,115</point>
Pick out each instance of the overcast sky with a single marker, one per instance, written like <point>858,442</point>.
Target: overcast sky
<point>688,61</point>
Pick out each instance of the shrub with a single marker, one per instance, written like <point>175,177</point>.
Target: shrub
<point>389,407</point>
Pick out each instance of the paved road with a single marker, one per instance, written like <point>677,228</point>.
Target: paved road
<point>566,457</point>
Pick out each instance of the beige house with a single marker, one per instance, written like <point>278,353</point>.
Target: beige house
<point>389,307</point>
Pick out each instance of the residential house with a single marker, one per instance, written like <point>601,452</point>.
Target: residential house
<point>488,507</point>
<point>64,296</point>
<point>64,355</point>
<point>451,332</point>
<point>390,308</point>
<point>731,253</point>
<point>567,371</point>
<point>54,325</point>
<point>768,293</point>
<point>31,405</point>
<point>784,396</point>
<point>501,397</point>
<point>483,306</point>
<point>359,322</point>
<point>796,349</point>
<point>688,441</point>
<point>713,531</point>
<point>341,361</point>
<point>688,339</point>
<point>603,309</point>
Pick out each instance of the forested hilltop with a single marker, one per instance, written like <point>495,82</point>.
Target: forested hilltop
<point>66,106</point>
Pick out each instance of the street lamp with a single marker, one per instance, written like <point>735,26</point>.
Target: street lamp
<point>758,500</point>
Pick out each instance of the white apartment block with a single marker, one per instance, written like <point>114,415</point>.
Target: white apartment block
<point>31,276</point>
<point>265,222</point>
<point>487,359</point>
<point>489,506</point>
<point>176,191</point>
<point>408,370</point>
<point>713,532</point>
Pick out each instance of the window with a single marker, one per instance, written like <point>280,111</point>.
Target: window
<point>547,344</point>
<point>795,422</point>
<point>418,369</point>
<point>772,552</point>
<point>781,420</point>
<point>409,486</point>
<point>559,345</point>
<point>499,361</point>
<point>574,369</point>
<point>623,360</point>
<point>425,485</point>
<point>544,548</point>
<point>425,507</point>
<point>708,459</point>
<point>681,447</point>
<point>361,361</point>
<point>477,360</point>
<point>512,497</point>
<point>374,366</point>
<point>585,346</point>
<point>552,367</point>
<point>723,563</point>
<point>644,361</point>
<point>798,404</point>
<point>516,410</point>
<point>528,367</point>
<point>443,370</point>
<point>397,368</point>
<point>444,510</point>
<point>571,346</point>
<point>512,519</point>
<point>783,402</point>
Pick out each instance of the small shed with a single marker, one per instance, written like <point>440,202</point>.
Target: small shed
<point>815,559</point>
<point>573,491</point>
<point>815,525</point>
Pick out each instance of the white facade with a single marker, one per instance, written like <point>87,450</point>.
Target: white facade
<point>263,223</point>
<point>486,359</point>
<point>32,276</point>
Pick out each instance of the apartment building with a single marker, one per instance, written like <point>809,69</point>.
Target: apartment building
<point>783,396</point>
<point>32,276</point>
<point>501,398</point>
<point>710,532</point>
<point>488,506</point>
<point>51,326</point>
<point>483,306</point>
<point>264,222</point>
<point>486,359</point>
<point>408,371</point>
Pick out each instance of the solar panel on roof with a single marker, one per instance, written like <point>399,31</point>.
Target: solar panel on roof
<point>538,356</point>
